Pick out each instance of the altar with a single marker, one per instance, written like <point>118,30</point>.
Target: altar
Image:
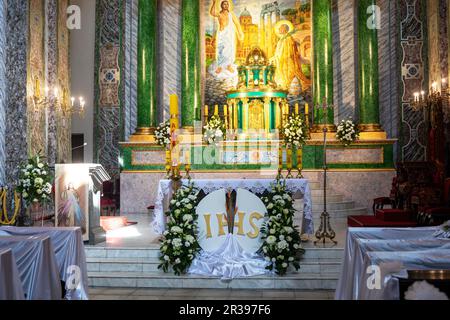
<point>299,187</point>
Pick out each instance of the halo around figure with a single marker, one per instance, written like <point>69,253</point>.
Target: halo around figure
<point>283,23</point>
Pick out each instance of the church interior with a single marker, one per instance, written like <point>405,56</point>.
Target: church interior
<point>230,150</point>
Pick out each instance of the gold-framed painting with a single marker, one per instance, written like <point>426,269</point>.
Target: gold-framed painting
<point>233,28</point>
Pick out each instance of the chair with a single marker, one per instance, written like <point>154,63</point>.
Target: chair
<point>107,202</point>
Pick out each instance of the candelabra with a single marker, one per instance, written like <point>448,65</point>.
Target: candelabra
<point>422,99</point>
<point>325,230</point>
<point>59,101</point>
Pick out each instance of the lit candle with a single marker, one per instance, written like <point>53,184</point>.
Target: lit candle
<point>423,94</point>
<point>173,104</point>
<point>37,88</point>
<point>46,90</point>
<point>55,92</point>
<point>434,86</point>
<point>72,101</point>
<point>416,96</point>
<point>444,81</point>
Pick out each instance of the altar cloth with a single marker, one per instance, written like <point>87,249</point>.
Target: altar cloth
<point>36,262</point>
<point>69,252</point>
<point>399,244</point>
<point>10,283</point>
<point>299,187</point>
<point>229,261</point>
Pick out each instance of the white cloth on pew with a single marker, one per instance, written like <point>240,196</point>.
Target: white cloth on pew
<point>10,283</point>
<point>402,239</point>
<point>36,262</point>
<point>412,260</point>
<point>69,252</point>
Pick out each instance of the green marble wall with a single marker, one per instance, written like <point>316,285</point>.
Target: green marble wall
<point>147,116</point>
<point>322,60</point>
<point>190,63</point>
<point>367,66</point>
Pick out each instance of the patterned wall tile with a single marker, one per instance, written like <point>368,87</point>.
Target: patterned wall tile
<point>412,40</point>
<point>130,68</point>
<point>170,53</point>
<point>16,77</point>
<point>108,91</point>
<point>389,67</point>
<point>51,69</point>
<point>3,99</point>
<point>344,60</point>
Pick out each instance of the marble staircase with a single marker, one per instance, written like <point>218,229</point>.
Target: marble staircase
<point>138,268</point>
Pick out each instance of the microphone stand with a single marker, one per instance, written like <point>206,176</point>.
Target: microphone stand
<point>325,231</point>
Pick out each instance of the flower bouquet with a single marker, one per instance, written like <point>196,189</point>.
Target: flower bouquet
<point>179,246</point>
<point>282,243</point>
<point>35,181</point>
<point>347,132</point>
<point>214,131</point>
<point>295,131</point>
<point>162,134</point>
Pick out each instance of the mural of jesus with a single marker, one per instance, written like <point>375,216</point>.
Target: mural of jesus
<point>229,30</point>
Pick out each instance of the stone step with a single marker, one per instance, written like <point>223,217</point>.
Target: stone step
<point>298,281</point>
<point>153,253</point>
<point>330,197</point>
<point>342,214</point>
<point>323,266</point>
<point>333,206</point>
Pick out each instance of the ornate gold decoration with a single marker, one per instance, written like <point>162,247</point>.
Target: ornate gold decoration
<point>4,219</point>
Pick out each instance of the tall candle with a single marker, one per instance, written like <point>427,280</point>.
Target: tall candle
<point>216,110</point>
<point>296,108</point>
<point>206,111</point>
<point>306,109</point>
<point>173,104</point>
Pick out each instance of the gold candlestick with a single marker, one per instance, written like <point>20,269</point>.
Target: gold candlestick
<point>300,162</point>
<point>289,163</point>
<point>280,163</point>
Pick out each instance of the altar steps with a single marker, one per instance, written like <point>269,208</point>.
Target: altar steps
<point>138,267</point>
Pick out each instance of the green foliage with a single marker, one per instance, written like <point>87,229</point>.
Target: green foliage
<point>282,244</point>
<point>35,181</point>
<point>179,246</point>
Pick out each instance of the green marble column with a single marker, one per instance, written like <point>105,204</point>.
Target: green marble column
<point>369,115</point>
<point>190,64</point>
<point>147,116</point>
<point>322,61</point>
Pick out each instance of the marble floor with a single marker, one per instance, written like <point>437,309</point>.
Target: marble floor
<point>141,235</point>
<point>206,294</point>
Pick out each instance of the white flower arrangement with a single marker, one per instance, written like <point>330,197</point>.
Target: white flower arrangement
<point>35,181</point>
<point>295,131</point>
<point>162,134</point>
<point>347,132</point>
<point>282,244</point>
<point>179,246</point>
<point>214,131</point>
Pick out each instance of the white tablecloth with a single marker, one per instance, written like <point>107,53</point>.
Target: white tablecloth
<point>36,262</point>
<point>69,252</point>
<point>395,241</point>
<point>299,187</point>
<point>10,283</point>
